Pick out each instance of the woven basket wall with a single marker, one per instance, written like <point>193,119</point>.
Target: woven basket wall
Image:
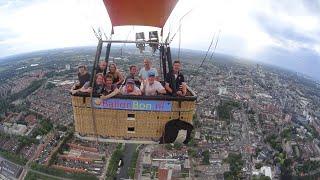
<point>115,123</point>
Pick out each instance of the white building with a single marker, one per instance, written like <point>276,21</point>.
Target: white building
<point>222,90</point>
<point>68,67</point>
<point>266,170</point>
<point>16,129</point>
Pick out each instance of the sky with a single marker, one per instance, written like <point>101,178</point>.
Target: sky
<point>284,33</point>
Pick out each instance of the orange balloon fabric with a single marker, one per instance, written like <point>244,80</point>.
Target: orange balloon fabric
<point>139,12</point>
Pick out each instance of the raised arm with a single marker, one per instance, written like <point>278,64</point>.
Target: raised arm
<point>167,87</point>
<point>121,79</point>
<point>160,88</point>
<point>114,92</point>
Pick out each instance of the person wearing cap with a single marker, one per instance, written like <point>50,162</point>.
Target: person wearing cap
<point>133,75</point>
<point>130,88</point>
<point>151,86</point>
<point>83,77</point>
<point>143,73</point>
<point>180,84</point>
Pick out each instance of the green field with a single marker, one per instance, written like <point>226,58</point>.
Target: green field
<point>2,69</point>
<point>34,176</point>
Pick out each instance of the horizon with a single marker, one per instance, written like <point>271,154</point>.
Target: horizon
<point>239,59</point>
<point>283,33</point>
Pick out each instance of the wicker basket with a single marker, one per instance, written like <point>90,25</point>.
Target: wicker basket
<point>127,124</point>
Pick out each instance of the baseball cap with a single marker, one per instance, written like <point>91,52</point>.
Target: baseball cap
<point>151,73</point>
<point>130,81</point>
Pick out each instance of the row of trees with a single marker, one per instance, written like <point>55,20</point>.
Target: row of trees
<point>44,128</point>
<point>5,102</point>
<point>133,164</point>
<point>236,164</point>
<point>32,176</point>
<point>274,142</point>
<point>27,91</point>
<point>113,162</point>
<point>224,110</point>
<point>61,173</point>
<point>16,158</point>
<point>68,136</point>
<point>308,166</point>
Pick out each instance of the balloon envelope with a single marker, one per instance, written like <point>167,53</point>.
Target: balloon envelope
<point>139,12</point>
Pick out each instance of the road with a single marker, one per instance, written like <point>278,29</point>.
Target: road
<point>246,141</point>
<point>115,140</point>
<point>129,149</point>
<point>28,164</point>
<point>28,169</point>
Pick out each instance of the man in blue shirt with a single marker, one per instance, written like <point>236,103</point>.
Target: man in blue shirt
<point>143,74</point>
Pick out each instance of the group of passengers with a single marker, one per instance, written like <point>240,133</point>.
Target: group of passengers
<point>111,83</point>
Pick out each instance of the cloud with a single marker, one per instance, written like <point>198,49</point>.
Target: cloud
<point>51,24</point>
<point>6,34</point>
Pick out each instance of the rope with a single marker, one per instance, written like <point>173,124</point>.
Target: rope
<point>95,33</point>
<point>209,48</point>
<point>215,46</point>
<point>124,44</point>
<point>179,42</point>
<point>180,23</point>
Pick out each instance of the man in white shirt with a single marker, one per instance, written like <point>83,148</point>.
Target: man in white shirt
<point>151,87</point>
<point>130,88</point>
<point>143,73</point>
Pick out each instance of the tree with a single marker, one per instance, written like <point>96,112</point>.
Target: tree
<point>177,146</point>
<point>50,85</point>
<point>195,120</point>
<point>206,157</point>
<point>274,143</point>
<point>258,165</point>
<point>261,177</point>
<point>168,146</point>
<point>286,133</point>
<point>192,152</point>
<point>192,143</point>
<point>236,164</point>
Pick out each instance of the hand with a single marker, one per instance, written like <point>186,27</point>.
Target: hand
<point>179,93</point>
<point>98,101</point>
<point>73,91</point>
<point>103,97</point>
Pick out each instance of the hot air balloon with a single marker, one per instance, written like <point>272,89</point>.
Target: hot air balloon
<point>136,119</point>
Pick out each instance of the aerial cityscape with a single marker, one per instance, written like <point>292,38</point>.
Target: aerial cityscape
<point>252,121</point>
<point>159,90</point>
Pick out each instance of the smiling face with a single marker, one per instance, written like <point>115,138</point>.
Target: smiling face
<point>151,79</point>
<point>108,81</point>
<point>112,68</point>
<point>130,87</point>
<point>82,70</point>
<point>176,67</point>
<point>100,80</point>
<point>133,70</point>
<point>147,63</point>
<point>102,65</point>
